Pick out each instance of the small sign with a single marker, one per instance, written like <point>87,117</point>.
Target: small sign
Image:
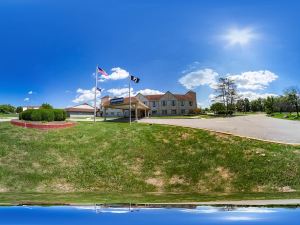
<point>115,101</point>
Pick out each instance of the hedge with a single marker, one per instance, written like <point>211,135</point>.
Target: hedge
<point>43,115</point>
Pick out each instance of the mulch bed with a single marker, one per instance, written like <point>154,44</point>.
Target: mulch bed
<point>42,125</point>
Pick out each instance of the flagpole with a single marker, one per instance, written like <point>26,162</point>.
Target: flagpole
<point>95,98</point>
<point>129,101</point>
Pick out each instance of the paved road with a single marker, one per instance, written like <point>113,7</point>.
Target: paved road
<point>7,119</point>
<point>253,126</point>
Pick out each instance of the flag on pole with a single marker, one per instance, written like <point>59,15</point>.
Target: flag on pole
<point>135,79</point>
<point>102,72</point>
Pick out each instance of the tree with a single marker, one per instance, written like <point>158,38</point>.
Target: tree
<point>46,106</point>
<point>19,109</point>
<point>226,93</point>
<point>197,111</point>
<point>218,108</point>
<point>247,105</point>
<point>240,105</point>
<point>7,109</point>
<point>269,104</point>
<point>293,97</point>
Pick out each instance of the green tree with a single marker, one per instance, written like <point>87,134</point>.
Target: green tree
<point>269,104</point>
<point>46,106</point>
<point>226,93</point>
<point>218,108</point>
<point>19,109</point>
<point>247,105</point>
<point>293,97</point>
<point>7,108</point>
<point>240,105</point>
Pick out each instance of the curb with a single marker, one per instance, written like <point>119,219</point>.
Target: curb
<point>41,126</point>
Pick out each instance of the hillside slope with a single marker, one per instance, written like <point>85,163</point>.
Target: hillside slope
<point>116,157</point>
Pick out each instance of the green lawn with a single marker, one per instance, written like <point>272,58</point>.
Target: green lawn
<point>3,115</point>
<point>286,116</point>
<point>116,162</point>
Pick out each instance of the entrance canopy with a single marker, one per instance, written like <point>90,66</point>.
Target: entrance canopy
<point>137,106</point>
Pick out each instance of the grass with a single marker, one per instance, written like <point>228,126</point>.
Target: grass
<point>4,115</point>
<point>286,116</point>
<point>28,198</point>
<point>115,162</point>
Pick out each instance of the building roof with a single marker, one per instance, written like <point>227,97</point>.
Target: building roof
<point>85,107</point>
<point>134,101</point>
<point>189,96</point>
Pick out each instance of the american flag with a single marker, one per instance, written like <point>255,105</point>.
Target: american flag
<point>102,72</point>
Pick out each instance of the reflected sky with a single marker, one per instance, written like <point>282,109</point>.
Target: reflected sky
<point>65,215</point>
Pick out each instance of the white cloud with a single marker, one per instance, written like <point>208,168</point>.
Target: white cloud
<point>120,92</point>
<point>198,78</point>
<point>117,74</point>
<point>30,92</point>
<point>85,95</point>
<point>26,99</point>
<point>238,36</point>
<point>254,80</point>
<point>123,92</point>
<point>149,92</point>
<point>254,95</point>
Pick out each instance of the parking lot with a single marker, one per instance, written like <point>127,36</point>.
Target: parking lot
<point>252,126</point>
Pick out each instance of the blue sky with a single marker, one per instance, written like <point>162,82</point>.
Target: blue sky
<point>49,49</point>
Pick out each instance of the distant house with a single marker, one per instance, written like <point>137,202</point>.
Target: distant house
<point>30,107</point>
<point>82,110</point>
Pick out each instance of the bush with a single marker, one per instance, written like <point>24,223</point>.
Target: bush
<point>59,115</point>
<point>36,115</point>
<point>26,115</point>
<point>218,108</point>
<point>47,115</point>
<point>43,115</point>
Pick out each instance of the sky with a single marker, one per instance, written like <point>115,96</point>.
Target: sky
<point>49,49</point>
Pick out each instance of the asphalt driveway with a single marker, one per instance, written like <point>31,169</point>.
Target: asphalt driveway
<point>253,126</point>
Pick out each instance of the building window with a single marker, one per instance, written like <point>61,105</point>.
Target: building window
<point>145,103</point>
<point>191,103</point>
<point>164,112</point>
<point>182,103</point>
<point>173,111</point>
<point>173,102</point>
<point>154,112</point>
<point>183,111</point>
<point>164,103</point>
<point>154,104</point>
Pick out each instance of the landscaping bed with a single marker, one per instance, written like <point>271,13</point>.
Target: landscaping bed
<point>42,125</point>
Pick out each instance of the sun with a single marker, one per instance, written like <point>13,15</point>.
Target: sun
<point>240,36</point>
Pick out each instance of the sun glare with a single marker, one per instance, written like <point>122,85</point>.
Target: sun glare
<point>240,36</point>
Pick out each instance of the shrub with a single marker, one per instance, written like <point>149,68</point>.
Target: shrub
<point>59,114</point>
<point>218,108</point>
<point>36,115</point>
<point>26,115</point>
<point>47,115</point>
<point>43,115</point>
